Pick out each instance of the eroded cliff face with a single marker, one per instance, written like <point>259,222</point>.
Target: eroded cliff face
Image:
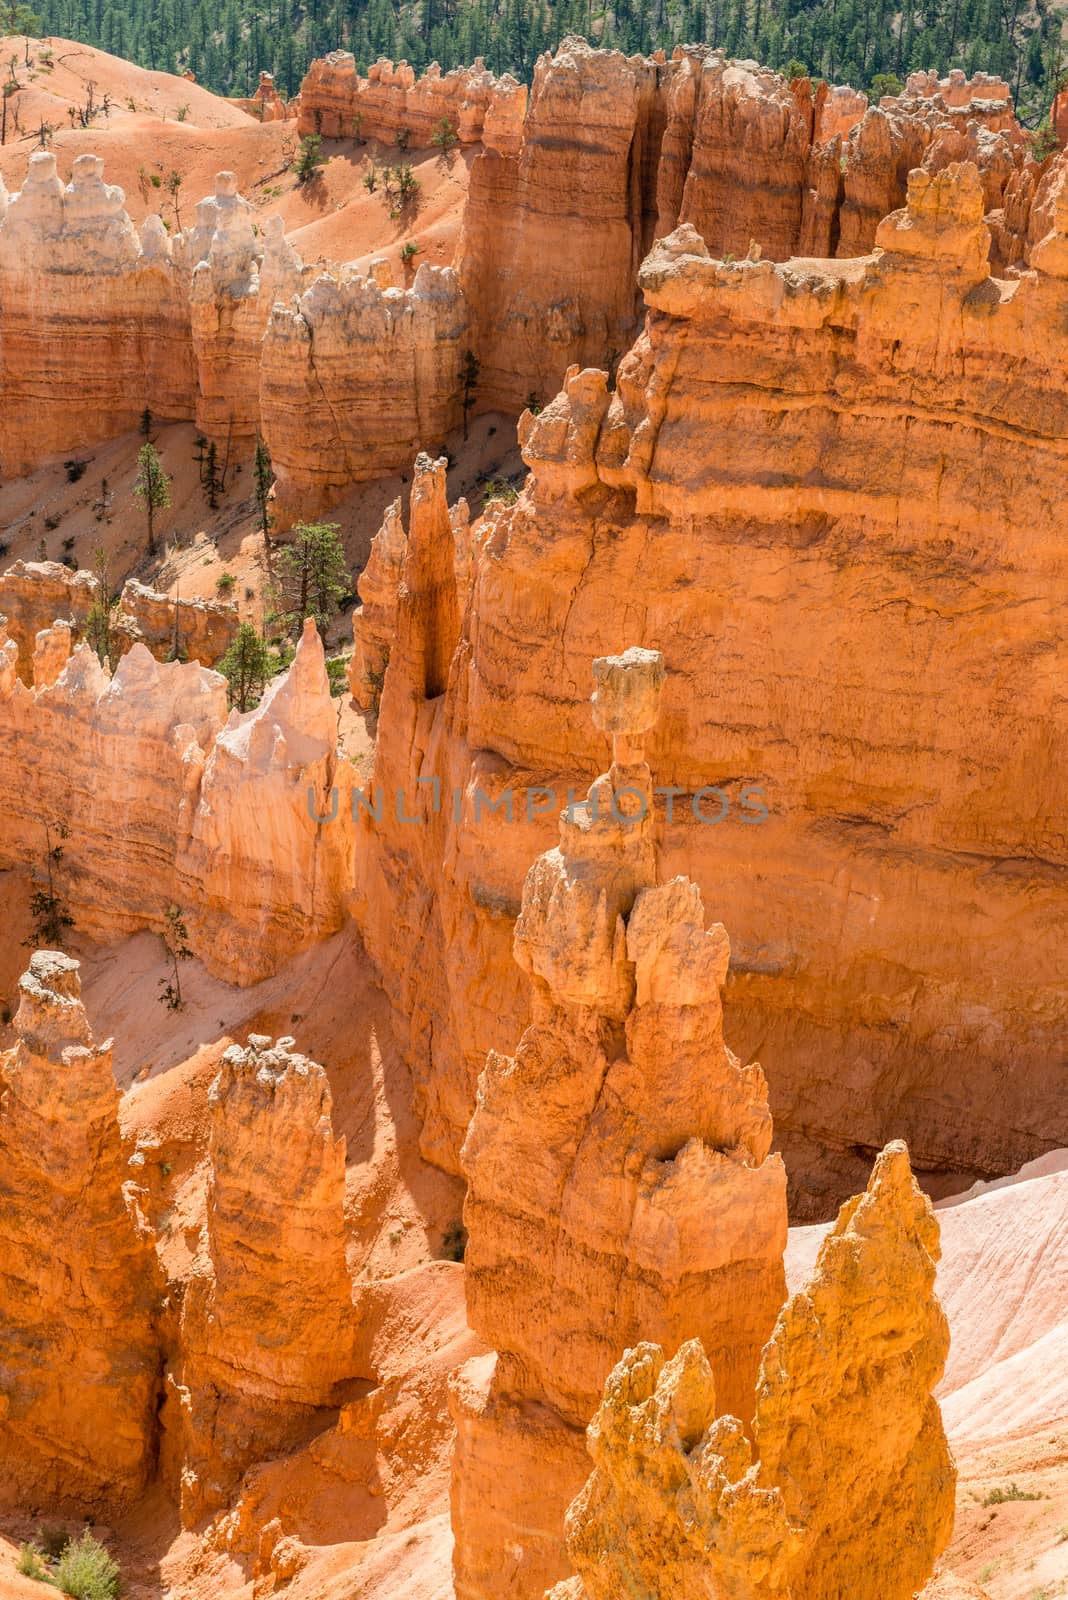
<point>338,104</point>
<point>843,1485</point>
<point>267,1328</point>
<point>79,1294</point>
<point>93,321</point>
<point>228,818</point>
<point>347,376</point>
<point>756,496</point>
<point>619,1182</point>
<point>35,595</point>
<point>617,151</point>
<point>357,375</point>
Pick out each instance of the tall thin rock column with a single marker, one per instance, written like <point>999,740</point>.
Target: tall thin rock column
<point>620,1185</point>
<point>79,1358</point>
<point>267,1324</point>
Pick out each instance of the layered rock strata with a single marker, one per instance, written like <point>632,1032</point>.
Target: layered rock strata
<point>844,1485</point>
<point>267,1328</point>
<point>619,1181</point>
<point>93,327</point>
<point>36,594</point>
<point>349,378</point>
<point>617,151</point>
<point>357,375</point>
<point>244,822</point>
<point>336,102</point>
<point>79,1368</point>
<point>800,413</point>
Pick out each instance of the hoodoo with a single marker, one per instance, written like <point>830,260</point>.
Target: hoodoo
<point>519,573</point>
<point>619,1180</point>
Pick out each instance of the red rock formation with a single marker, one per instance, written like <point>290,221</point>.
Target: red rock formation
<point>236,280</point>
<point>847,1487</point>
<point>233,826</point>
<point>267,1330</point>
<point>337,103</point>
<point>801,413</point>
<point>35,594</point>
<point>268,866</point>
<point>91,329</point>
<point>80,1368</point>
<point>191,630</point>
<point>597,1157</point>
<point>374,621</point>
<point>355,377</point>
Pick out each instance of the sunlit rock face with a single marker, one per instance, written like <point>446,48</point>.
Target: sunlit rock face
<point>619,1181</point>
<point>843,1484</point>
<point>80,1368</point>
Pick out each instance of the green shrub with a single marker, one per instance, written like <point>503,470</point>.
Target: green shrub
<point>53,1541</point>
<point>999,1496</point>
<point>336,671</point>
<point>31,1563</point>
<point>87,1572</point>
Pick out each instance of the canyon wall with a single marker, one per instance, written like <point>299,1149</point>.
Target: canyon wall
<point>94,324</point>
<point>222,325</point>
<point>356,376</point>
<point>617,151</point>
<point>338,104</point>
<point>755,500</point>
<point>619,1181</point>
<point>223,816</point>
<point>347,376</point>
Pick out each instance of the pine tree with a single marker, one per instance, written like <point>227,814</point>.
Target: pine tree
<point>264,476</point>
<point>246,666</point>
<point>313,574</point>
<point>153,488</point>
<point>176,947</point>
<point>469,372</point>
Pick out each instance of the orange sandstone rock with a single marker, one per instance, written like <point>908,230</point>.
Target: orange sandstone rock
<point>337,103</point>
<point>93,329</point>
<point>247,827</point>
<point>356,376</point>
<point>848,1485</point>
<point>267,1329</point>
<point>80,1366</point>
<point>618,1168</point>
<point>799,412</point>
<point>35,594</point>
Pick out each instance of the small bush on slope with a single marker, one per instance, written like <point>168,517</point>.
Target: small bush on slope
<point>87,1572</point>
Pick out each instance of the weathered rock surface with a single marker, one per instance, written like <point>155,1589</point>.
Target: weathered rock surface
<point>91,330</point>
<point>222,821</point>
<point>267,1329</point>
<point>847,1486</point>
<point>356,377</point>
<point>36,594</point>
<point>33,595</point>
<point>618,1168</point>
<point>268,866</point>
<point>617,151</point>
<point>172,628</point>
<point>798,413</point>
<point>79,1363</point>
<point>337,103</point>
<point>374,622</point>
